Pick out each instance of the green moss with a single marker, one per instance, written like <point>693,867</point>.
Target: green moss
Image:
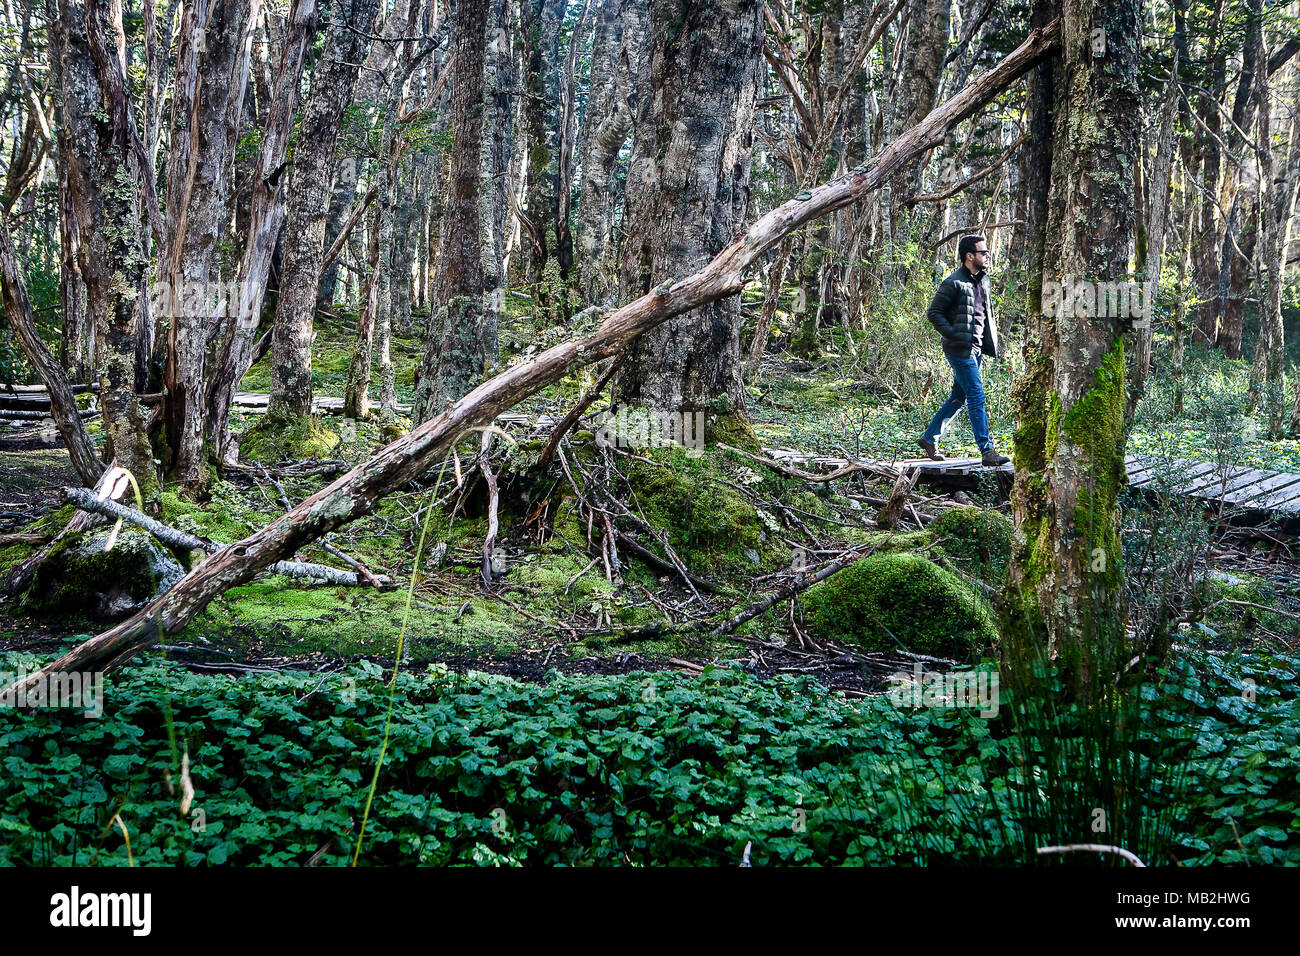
<point>709,524</point>
<point>976,539</point>
<point>278,439</point>
<point>887,601</point>
<point>80,577</point>
<point>278,615</point>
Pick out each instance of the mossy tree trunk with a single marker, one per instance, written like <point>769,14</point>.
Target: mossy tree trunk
<point>1066,588</point>
<point>309,195</point>
<point>688,188</point>
<point>106,179</point>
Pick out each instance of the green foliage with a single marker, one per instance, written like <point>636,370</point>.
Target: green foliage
<point>888,601</point>
<point>976,539</point>
<point>645,769</point>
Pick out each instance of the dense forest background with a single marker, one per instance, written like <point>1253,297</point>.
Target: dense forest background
<point>517,402</point>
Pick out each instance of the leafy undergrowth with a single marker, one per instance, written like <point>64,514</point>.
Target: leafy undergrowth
<point>634,770</point>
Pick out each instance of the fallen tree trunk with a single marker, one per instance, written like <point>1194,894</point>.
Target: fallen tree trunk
<point>86,500</point>
<point>354,494</point>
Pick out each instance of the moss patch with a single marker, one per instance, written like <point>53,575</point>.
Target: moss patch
<point>978,541</point>
<point>887,601</point>
<point>278,439</point>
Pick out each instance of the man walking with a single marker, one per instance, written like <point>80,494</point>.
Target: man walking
<point>962,311</point>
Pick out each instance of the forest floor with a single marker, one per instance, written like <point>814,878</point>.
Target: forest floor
<point>734,522</point>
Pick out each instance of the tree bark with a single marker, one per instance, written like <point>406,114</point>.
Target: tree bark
<point>463,292</point>
<point>106,177</point>
<point>216,39</point>
<point>688,188</point>
<point>63,404</point>
<point>265,220</point>
<point>606,122</point>
<point>1066,590</point>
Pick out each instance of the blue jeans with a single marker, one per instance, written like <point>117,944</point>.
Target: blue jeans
<point>968,390</point>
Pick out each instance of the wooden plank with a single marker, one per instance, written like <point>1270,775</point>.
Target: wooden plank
<point>1214,485</point>
<point>1289,505</point>
<point>1186,471</point>
<point>1250,494</point>
<point>1280,493</point>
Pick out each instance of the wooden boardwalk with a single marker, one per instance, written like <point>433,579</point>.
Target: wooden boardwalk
<point>1237,488</point>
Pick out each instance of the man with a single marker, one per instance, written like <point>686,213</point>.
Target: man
<point>962,311</point>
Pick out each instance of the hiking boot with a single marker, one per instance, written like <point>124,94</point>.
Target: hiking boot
<point>930,450</point>
<point>992,459</point>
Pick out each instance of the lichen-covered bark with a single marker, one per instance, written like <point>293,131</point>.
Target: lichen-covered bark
<point>606,122</point>
<point>1066,585</point>
<point>688,188</point>
<point>106,179</point>
<point>309,193</point>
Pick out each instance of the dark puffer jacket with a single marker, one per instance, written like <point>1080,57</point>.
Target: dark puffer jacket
<point>952,312</point>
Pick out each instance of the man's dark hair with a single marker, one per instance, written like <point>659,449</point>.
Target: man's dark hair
<point>966,245</point>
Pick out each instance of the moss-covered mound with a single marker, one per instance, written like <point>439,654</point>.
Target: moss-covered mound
<point>887,601</point>
<point>711,526</point>
<point>81,577</point>
<point>977,540</point>
<point>278,439</point>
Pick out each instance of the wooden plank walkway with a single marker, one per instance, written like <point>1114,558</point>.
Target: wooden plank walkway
<point>1239,488</point>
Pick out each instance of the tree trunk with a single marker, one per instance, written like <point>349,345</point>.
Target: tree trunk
<point>1270,255</point>
<point>207,116</point>
<point>265,220</point>
<point>106,178</point>
<point>688,187</point>
<point>309,194</point>
<point>542,22</point>
<point>454,354</point>
<point>923,52</point>
<point>1066,590</point>
<point>63,404</point>
<point>606,121</point>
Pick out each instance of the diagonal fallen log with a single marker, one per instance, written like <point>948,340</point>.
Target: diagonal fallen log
<point>354,494</point>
